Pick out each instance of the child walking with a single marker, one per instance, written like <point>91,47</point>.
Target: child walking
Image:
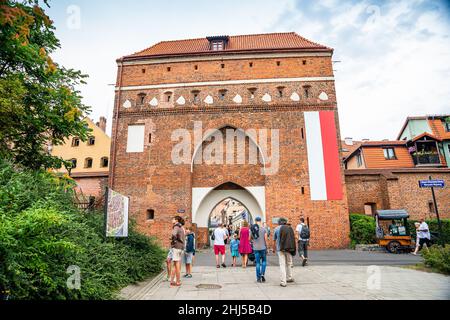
<point>189,252</point>
<point>234,247</point>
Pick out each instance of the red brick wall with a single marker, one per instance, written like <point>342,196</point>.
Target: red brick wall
<point>398,191</point>
<point>154,182</point>
<point>92,186</point>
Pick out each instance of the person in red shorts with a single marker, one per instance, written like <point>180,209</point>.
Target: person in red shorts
<point>219,237</point>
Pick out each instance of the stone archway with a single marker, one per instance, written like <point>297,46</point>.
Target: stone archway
<point>205,200</point>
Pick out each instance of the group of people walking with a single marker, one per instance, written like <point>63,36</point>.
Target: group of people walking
<point>249,240</point>
<point>254,240</point>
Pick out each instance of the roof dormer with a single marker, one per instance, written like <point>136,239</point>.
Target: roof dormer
<point>218,43</point>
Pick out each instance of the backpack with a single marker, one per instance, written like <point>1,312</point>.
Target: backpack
<point>255,231</point>
<point>305,234</point>
<point>190,243</point>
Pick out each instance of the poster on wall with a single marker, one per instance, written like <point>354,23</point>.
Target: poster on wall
<point>116,214</point>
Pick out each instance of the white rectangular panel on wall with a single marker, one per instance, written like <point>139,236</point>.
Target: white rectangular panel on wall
<point>135,142</point>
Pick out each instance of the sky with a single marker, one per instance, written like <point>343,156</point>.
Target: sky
<point>392,58</point>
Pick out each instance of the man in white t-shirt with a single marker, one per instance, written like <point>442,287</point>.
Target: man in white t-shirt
<point>423,234</point>
<point>220,234</point>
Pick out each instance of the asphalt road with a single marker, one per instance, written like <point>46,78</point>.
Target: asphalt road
<point>326,257</point>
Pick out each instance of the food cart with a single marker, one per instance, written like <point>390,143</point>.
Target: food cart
<point>392,230</point>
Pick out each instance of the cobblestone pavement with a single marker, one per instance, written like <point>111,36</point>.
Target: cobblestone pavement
<point>324,282</point>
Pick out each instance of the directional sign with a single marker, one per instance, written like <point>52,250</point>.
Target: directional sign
<point>431,183</point>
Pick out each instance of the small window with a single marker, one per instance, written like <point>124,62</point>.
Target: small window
<point>196,96</point>
<point>150,214</point>
<point>280,92</point>
<point>304,62</point>
<point>104,162</point>
<point>91,141</point>
<point>73,163</point>
<point>252,92</point>
<point>222,94</point>
<point>196,67</point>
<point>447,126</point>
<point>88,163</point>
<point>169,69</point>
<point>143,70</point>
<point>307,91</point>
<point>359,161</point>
<point>278,63</point>
<point>251,64</point>
<point>217,45</point>
<point>303,190</point>
<point>303,134</point>
<point>141,98</point>
<point>149,138</point>
<point>389,154</point>
<point>75,142</point>
<point>222,65</point>
<point>168,96</point>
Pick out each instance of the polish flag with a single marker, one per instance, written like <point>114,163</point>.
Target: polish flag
<point>323,156</point>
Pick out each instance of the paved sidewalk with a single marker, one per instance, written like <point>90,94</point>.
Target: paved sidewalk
<point>312,283</point>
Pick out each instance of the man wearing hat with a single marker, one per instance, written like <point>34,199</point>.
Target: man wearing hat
<point>259,238</point>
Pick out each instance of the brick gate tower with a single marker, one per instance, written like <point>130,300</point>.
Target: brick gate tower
<point>251,118</point>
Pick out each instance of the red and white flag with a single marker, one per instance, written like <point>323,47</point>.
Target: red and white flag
<point>323,156</point>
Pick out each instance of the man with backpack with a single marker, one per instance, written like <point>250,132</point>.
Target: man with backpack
<point>303,241</point>
<point>259,237</point>
<point>284,241</point>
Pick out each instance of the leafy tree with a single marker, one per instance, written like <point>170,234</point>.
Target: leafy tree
<point>39,102</point>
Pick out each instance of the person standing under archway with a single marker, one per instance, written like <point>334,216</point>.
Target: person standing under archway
<point>245,247</point>
<point>220,235</point>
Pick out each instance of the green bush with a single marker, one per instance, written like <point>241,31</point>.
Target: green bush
<point>362,229</point>
<point>42,234</point>
<point>438,258</point>
<point>434,227</point>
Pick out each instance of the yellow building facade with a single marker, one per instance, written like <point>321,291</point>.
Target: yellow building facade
<point>90,159</point>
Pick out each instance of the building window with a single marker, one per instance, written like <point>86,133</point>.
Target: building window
<point>91,141</point>
<point>217,45</point>
<point>252,92</point>
<point>306,89</point>
<point>141,98</point>
<point>222,65</point>
<point>75,142</point>
<point>222,94</point>
<point>359,161</point>
<point>196,67</point>
<point>304,62</point>
<point>143,70</point>
<point>303,134</point>
<point>196,96</point>
<point>447,126</point>
<point>169,69</point>
<point>278,63</point>
<point>88,163</point>
<point>150,214</point>
<point>389,154</point>
<point>280,92</point>
<point>104,162</point>
<point>251,64</point>
<point>73,163</point>
<point>168,96</point>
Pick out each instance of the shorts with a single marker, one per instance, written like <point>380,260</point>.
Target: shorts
<point>235,253</point>
<point>188,257</point>
<point>170,254</point>
<point>177,254</point>
<point>219,249</point>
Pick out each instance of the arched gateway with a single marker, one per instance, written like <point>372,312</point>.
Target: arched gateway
<point>206,202</point>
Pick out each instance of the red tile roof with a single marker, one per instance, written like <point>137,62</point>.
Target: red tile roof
<point>255,42</point>
<point>438,129</point>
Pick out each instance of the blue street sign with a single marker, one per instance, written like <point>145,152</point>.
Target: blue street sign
<point>431,183</point>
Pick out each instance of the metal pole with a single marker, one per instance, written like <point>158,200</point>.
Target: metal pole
<point>437,215</point>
